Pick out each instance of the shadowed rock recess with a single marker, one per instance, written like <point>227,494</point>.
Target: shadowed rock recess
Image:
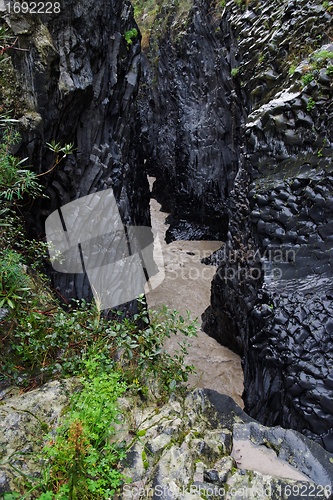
<point>79,78</point>
<point>238,122</point>
<point>192,143</point>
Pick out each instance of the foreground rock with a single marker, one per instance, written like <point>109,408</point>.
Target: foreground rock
<point>25,419</point>
<point>193,447</point>
<point>186,449</point>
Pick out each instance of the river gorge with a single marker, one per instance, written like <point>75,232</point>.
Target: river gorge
<point>212,123</point>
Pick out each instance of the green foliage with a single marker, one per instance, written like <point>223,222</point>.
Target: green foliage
<point>323,55</point>
<point>46,341</point>
<point>33,252</point>
<point>328,6</point>
<point>15,181</point>
<point>130,36</point>
<point>14,281</point>
<point>318,60</point>
<point>234,72</point>
<point>307,78</point>
<point>82,460</point>
<point>292,69</point>
<point>142,353</point>
<point>311,104</point>
<point>145,12</point>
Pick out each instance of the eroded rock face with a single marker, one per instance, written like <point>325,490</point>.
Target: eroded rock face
<point>186,448</point>
<point>191,118</point>
<point>25,421</point>
<point>275,305</point>
<point>187,452</point>
<point>79,77</point>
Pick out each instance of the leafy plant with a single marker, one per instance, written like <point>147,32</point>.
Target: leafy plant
<point>311,104</point>
<point>234,72</point>
<point>328,6</point>
<point>15,181</point>
<point>142,353</point>
<point>307,78</point>
<point>83,460</point>
<point>130,36</point>
<point>45,341</point>
<point>323,55</point>
<point>292,69</point>
<point>14,281</point>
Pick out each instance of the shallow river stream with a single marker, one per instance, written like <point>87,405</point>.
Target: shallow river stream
<point>186,287</point>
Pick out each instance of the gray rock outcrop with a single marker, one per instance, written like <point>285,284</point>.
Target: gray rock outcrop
<point>189,448</point>
<point>25,420</point>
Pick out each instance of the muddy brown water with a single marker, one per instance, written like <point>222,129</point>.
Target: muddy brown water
<point>186,287</point>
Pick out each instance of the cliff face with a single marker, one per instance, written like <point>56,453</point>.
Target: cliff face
<point>191,117</point>
<point>79,77</point>
<point>238,122</point>
<point>272,295</point>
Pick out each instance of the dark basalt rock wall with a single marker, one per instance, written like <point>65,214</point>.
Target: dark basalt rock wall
<point>79,78</point>
<point>191,118</point>
<point>272,297</point>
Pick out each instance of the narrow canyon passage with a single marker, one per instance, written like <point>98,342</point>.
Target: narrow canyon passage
<point>186,287</point>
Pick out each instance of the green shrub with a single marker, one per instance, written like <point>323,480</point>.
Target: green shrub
<point>15,181</point>
<point>47,341</point>
<point>142,353</point>
<point>14,281</point>
<point>323,55</point>
<point>82,462</point>
<point>311,104</point>
<point>307,78</point>
<point>130,36</point>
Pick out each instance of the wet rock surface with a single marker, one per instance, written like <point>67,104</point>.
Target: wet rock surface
<point>272,295</point>
<point>25,420</point>
<point>79,78</point>
<point>186,452</point>
<point>188,447</point>
<point>191,118</point>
